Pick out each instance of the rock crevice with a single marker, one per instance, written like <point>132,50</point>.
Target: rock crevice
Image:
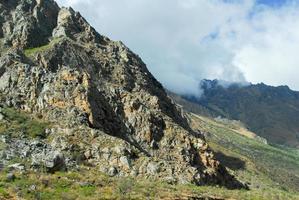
<point>105,104</point>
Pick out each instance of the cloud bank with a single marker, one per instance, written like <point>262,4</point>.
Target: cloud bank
<point>185,41</point>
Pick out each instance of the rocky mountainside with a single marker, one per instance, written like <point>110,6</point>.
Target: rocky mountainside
<point>271,112</point>
<point>92,100</point>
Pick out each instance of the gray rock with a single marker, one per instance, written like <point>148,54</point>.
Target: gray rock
<point>10,177</point>
<point>125,161</point>
<point>153,168</point>
<point>106,152</point>
<point>134,173</point>
<point>95,133</point>
<point>4,81</point>
<point>17,166</point>
<point>55,162</point>
<point>170,180</point>
<point>48,131</point>
<point>60,143</point>
<point>32,188</point>
<point>103,169</point>
<point>29,24</point>
<point>25,153</point>
<point>1,117</point>
<point>88,154</point>
<point>85,184</point>
<point>52,161</point>
<point>112,171</point>
<point>4,138</point>
<point>183,180</point>
<point>120,150</point>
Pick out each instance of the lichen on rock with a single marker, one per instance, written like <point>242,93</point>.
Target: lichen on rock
<point>108,110</point>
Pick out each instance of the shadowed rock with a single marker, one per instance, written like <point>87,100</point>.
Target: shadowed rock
<point>84,83</point>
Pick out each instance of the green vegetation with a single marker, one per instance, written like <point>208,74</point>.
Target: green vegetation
<point>271,171</point>
<point>90,184</point>
<point>263,166</point>
<point>3,48</point>
<point>32,51</point>
<point>17,122</point>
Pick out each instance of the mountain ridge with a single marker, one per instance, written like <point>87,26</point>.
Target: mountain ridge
<point>271,112</point>
<point>103,106</point>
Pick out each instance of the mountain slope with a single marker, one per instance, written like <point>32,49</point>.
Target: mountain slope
<point>250,160</point>
<point>102,106</point>
<point>261,165</point>
<point>271,112</point>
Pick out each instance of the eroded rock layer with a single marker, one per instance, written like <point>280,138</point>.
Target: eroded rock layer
<point>102,102</point>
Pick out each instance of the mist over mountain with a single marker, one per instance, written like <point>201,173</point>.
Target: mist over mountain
<point>185,41</point>
<point>271,112</point>
<point>82,116</point>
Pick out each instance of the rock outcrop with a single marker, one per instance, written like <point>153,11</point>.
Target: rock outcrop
<point>105,107</point>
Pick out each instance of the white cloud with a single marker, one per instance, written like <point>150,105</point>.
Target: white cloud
<point>270,53</point>
<point>184,41</point>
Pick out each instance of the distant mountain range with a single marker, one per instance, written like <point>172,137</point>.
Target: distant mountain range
<point>271,112</point>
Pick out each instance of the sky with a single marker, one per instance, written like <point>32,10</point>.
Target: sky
<point>185,41</point>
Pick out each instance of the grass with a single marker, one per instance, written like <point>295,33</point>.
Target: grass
<point>265,166</point>
<point>32,51</point>
<point>272,171</point>
<point>17,122</point>
<point>3,49</point>
<point>63,185</point>
<point>3,193</point>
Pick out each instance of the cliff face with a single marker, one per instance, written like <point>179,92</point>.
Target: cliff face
<point>100,99</point>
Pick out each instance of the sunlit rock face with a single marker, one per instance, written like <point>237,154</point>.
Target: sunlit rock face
<point>103,103</point>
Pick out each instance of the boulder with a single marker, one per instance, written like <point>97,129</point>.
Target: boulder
<point>51,161</point>
<point>17,166</point>
<point>112,171</point>
<point>153,168</point>
<point>125,162</point>
<point>10,177</point>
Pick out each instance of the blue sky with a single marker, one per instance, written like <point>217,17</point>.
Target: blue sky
<point>276,3</point>
<point>189,40</point>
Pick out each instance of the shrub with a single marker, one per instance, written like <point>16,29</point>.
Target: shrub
<point>125,186</point>
<point>20,122</point>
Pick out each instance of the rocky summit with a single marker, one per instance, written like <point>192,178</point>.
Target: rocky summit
<point>97,100</point>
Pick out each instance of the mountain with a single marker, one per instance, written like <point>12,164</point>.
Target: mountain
<point>81,117</point>
<point>70,97</point>
<point>271,112</point>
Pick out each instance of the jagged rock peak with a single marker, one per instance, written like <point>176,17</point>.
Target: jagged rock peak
<point>27,23</point>
<point>32,23</point>
<point>73,25</point>
<point>99,97</point>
